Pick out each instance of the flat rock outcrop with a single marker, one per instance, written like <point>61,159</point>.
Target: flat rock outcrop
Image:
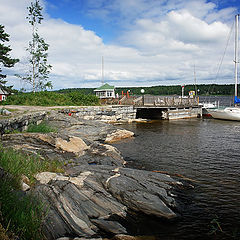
<point>88,200</point>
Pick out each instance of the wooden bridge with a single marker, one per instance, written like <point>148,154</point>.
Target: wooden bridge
<point>162,107</point>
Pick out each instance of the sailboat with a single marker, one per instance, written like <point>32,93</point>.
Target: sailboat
<point>231,113</point>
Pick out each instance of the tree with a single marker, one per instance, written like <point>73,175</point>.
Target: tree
<point>39,69</point>
<point>5,59</point>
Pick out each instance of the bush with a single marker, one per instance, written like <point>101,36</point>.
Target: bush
<point>51,99</point>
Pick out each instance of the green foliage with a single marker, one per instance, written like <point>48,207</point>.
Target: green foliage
<point>5,59</point>
<point>86,91</point>
<point>51,99</point>
<point>22,214</point>
<point>77,98</point>
<point>40,128</point>
<point>204,89</point>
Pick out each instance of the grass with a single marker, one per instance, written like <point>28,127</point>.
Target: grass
<point>51,99</point>
<point>22,213</point>
<point>43,127</point>
<point>18,164</point>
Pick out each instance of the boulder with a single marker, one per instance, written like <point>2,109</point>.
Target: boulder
<point>75,145</point>
<point>118,135</point>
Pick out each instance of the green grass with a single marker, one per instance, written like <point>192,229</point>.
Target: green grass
<point>41,128</point>
<point>22,213</point>
<point>51,99</point>
<point>18,164</point>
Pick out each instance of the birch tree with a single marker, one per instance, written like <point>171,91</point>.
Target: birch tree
<point>39,69</point>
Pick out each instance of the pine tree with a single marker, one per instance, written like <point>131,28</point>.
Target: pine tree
<point>5,59</point>
<point>39,69</point>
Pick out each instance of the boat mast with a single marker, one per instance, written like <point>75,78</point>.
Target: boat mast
<point>236,53</point>
<point>102,70</point>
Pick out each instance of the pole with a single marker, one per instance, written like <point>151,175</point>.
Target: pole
<point>102,70</point>
<point>195,80</point>
<point>236,53</point>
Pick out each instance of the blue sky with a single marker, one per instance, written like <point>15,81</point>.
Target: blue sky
<point>144,42</point>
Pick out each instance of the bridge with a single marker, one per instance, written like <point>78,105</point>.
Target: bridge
<point>162,107</point>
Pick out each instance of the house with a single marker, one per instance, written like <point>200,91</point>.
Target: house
<point>105,91</point>
<point>3,94</point>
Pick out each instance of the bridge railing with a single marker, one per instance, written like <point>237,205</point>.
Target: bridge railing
<point>169,101</point>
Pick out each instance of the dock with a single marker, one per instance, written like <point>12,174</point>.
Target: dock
<point>164,107</point>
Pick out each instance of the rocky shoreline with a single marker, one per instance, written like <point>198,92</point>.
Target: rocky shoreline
<point>96,193</point>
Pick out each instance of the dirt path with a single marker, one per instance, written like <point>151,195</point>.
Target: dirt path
<point>18,109</point>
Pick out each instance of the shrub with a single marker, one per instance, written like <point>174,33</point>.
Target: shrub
<point>51,99</point>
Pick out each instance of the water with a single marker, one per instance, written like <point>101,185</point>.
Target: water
<point>204,150</point>
<point>221,100</point>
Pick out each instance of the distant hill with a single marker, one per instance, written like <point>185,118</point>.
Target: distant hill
<point>204,89</point>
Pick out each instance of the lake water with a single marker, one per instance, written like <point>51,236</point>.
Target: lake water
<point>207,151</point>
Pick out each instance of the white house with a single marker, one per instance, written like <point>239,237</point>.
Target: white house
<point>105,91</point>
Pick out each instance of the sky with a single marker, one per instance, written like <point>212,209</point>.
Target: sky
<point>142,42</point>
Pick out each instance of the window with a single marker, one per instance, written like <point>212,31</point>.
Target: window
<point>109,94</point>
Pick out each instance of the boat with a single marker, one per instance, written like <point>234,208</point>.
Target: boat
<point>207,107</point>
<point>230,113</point>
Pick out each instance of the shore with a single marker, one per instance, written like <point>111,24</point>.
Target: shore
<point>96,192</point>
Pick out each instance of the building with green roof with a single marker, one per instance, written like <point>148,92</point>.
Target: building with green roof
<point>105,91</point>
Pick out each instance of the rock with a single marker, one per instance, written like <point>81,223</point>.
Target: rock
<point>75,145</point>
<point>52,146</point>
<point>25,187</point>
<point>25,179</point>
<point>5,112</point>
<point>109,226</point>
<point>118,135</point>
<point>67,238</point>
<point>124,237</point>
<point>85,200</point>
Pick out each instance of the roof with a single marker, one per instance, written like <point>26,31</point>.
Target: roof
<point>105,87</point>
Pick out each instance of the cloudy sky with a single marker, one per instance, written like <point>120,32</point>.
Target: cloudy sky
<point>143,42</point>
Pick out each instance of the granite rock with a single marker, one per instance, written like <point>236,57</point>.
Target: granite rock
<point>89,200</point>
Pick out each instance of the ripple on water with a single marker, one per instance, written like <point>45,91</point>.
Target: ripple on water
<point>206,151</point>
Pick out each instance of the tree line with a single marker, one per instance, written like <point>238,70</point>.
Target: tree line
<point>203,89</point>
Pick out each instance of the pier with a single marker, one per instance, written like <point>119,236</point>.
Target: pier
<point>164,107</point>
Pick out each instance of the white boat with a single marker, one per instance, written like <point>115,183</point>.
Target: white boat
<point>230,113</point>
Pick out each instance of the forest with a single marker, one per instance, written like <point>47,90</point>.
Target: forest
<point>203,89</point>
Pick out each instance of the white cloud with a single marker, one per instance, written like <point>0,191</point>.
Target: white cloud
<point>161,42</point>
